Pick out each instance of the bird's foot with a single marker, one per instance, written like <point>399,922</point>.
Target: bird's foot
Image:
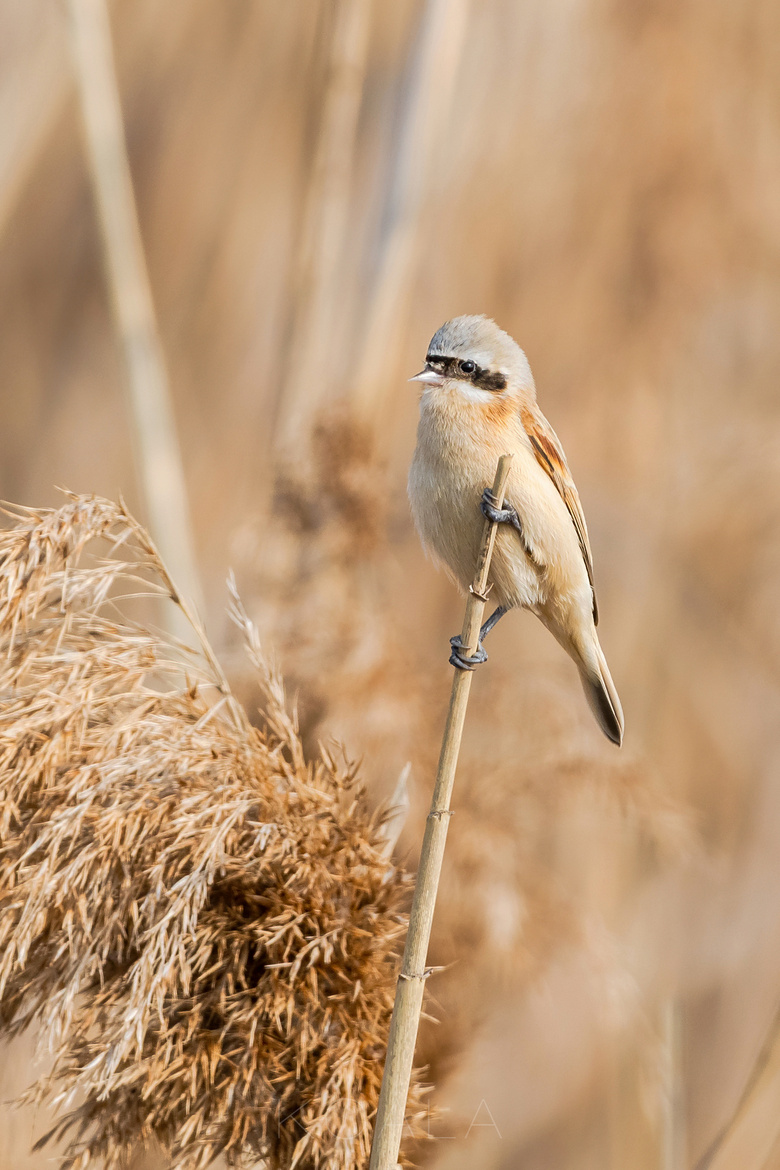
<point>508,515</point>
<point>463,661</point>
<point>490,508</point>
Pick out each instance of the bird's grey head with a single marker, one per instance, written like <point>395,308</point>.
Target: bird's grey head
<point>481,359</point>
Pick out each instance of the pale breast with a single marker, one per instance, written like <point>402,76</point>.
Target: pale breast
<point>445,506</point>
<point>454,461</point>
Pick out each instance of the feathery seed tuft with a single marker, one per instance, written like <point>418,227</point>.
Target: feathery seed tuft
<point>202,920</point>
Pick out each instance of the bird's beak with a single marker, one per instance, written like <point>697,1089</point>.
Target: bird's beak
<point>428,375</point>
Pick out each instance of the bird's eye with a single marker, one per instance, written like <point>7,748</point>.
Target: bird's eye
<point>467,367</point>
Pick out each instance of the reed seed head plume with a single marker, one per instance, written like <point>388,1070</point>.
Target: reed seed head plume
<point>203,921</point>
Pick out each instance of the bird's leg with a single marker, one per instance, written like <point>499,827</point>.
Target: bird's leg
<point>493,620</point>
<point>468,662</point>
<point>507,515</point>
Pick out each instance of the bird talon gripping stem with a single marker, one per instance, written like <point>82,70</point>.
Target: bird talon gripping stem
<point>489,507</point>
<point>465,661</point>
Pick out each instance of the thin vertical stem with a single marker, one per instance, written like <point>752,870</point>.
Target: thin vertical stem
<point>421,144</point>
<point>750,1134</point>
<point>34,87</point>
<point>310,356</point>
<point>411,982</point>
<point>156,443</point>
<point>673,1143</point>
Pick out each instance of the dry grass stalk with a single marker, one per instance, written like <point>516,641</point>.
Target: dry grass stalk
<point>750,1134</point>
<point>433,72</point>
<point>411,981</point>
<point>156,441</point>
<point>33,93</point>
<point>203,920</point>
<point>310,358</point>
<point>673,1128</point>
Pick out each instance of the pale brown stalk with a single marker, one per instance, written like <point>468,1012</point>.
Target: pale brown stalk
<point>33,89</point>
<point>411,981</point>
<point>673,1127</point>
<point>154,426</point>
<point>750,1134</point>
<point>421,143</point>
<point>311,355</point>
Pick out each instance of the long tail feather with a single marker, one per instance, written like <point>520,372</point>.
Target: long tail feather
<point>603,698</point>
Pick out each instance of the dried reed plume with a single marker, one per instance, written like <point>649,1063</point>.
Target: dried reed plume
<point>203,921</point>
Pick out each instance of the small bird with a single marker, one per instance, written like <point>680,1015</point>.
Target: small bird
<point>479,402</point>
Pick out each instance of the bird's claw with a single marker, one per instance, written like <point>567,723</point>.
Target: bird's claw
<point>498,515</point>
<point>466,661</point>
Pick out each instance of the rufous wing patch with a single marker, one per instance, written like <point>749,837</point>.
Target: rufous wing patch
<point>549,455</point>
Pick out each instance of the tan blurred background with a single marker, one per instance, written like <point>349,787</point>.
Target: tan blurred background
<point>319,186</point>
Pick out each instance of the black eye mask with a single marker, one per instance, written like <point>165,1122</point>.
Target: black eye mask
<point>450,367</point>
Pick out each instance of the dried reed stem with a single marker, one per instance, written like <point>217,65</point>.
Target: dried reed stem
<point>411,981</point>
<point>432,75</point>
<point>40,79</point>
<point>673,1128</point>
<point>750,1135</point>
<point>157,448</point>
<point>325,223</point>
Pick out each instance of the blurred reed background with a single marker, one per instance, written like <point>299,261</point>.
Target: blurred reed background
<point>319,186</point>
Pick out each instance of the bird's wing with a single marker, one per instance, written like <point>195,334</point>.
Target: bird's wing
<point>549,455</point>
